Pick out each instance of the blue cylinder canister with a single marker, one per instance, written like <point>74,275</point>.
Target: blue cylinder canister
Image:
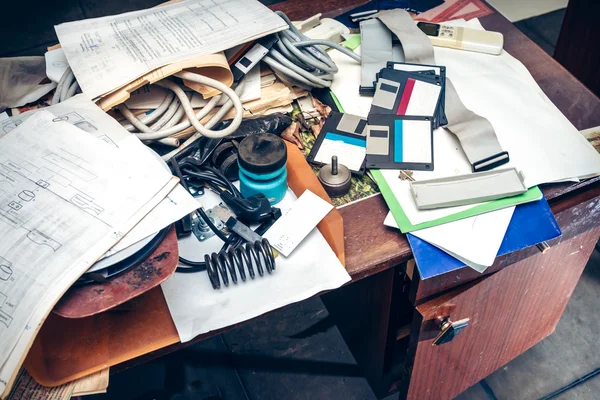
<point>262,160</point>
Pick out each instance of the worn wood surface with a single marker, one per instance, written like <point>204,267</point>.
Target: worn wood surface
<point>577,48</point>
<point>509,312</point>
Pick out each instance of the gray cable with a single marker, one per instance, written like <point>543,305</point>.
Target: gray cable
<point>147,133</point>
<point>156,114</point>
<point>301,61</point>
<point>63,86</point>
<point>233,100</point>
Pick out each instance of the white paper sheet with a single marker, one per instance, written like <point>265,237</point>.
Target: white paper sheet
<point>196,308</point>
<point>84,114</point>
<point>297,222</point>
<point>107,53</point>
<point>66,200</point>
<point>474,240</point>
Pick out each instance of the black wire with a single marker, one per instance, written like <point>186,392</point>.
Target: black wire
<point>124,265</point>
<point>192,177</point>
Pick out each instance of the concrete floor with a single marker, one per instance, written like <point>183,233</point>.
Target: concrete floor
<point>276,357</point>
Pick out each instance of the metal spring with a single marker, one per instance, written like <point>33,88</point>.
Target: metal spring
<point>259,254</point>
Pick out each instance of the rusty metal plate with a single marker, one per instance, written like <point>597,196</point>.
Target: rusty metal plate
<point>95,298</point>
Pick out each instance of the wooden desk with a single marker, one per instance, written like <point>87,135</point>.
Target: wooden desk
<point>388,319</point>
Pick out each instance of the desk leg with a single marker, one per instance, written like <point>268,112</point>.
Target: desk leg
<point>362,312</point>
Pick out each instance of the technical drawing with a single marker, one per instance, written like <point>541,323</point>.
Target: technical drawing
<point>86,205</point>
<point>42,183</point>
<point>27,195</point>
<point>10,219</point>
<point>15,206</point>
<point>86,126</point>
<point>107,139</point>
<point>5,318</point>
<point>21,169</point>
<point>43,240</point>
<point>70,166</point>
<point>3,299</point>
<point>5,269</point>
<point>71,117</point>
<point>8,126</point>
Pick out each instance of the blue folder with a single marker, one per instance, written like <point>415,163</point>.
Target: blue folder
<point>531,223</point>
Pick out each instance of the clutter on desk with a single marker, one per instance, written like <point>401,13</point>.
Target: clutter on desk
<point>235,114</point>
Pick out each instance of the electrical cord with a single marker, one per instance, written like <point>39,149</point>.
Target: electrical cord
<point>166,120</point>
<point>66,88</point>
<point>301,60</point>
<point>192,177</point>
<point>126,264</point>
<point>182,102</point>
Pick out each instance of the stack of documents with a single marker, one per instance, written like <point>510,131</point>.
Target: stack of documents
<point>107,53</point>
<point>541,142</point>
<point>68,198</point>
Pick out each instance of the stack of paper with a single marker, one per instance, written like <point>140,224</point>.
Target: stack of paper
<point>84,114</point>
<point>68,199</point>
<point>110,52</point>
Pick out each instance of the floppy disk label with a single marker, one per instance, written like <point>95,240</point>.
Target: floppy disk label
<point>419,98</point>
<point>411,97</point>
<point>350,151</point>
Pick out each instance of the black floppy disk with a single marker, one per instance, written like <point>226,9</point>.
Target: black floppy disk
<point>439,71</point>
<point>400,142</point>
<point>344,136</point>
<point>406,93</point>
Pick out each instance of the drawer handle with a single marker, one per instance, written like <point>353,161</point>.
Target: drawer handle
<point>449,330</point>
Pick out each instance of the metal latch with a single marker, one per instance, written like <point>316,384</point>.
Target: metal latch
<point>449,330</point>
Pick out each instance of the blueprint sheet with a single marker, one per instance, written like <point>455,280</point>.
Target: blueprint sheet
<point>65,199</point>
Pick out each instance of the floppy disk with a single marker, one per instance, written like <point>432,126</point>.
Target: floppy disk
<point>344,136</point>
<point>399,142</point>
<point>440,72</point>
<point>404,93</point>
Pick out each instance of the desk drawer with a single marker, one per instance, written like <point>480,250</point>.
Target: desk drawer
<point>508,311</point>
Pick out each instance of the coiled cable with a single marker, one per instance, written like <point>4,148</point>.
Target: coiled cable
<point>66,88</point>
<point>175,114</point>
<point>301,61</point>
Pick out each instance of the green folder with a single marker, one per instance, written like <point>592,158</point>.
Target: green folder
<point>406,226</point>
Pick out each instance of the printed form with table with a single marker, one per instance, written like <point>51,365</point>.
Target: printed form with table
<point>201,151</point>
